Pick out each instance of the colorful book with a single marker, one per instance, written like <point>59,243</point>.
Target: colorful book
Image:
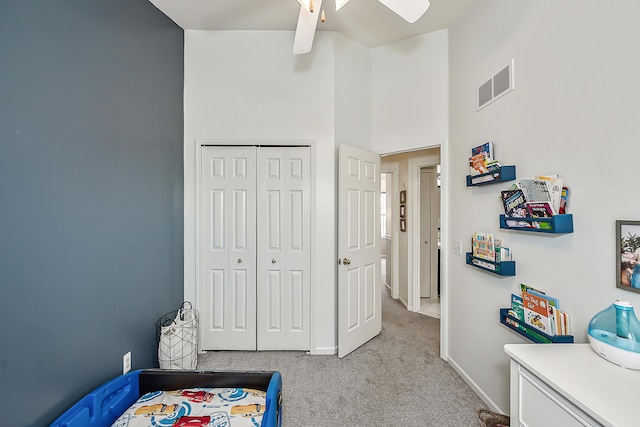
<point>503,254</point>
<point>564,200</point>
<point>551,300</point>
<point>554,320</point>
<point>555,185</point>
<point>539,209</point>
<point>483,247</point>
<point>514,203</point>
<point>494,165</point>
<point>536,313</point>
<point>486,150</point>
<point>536,190</point>
<point>518,309</point>
<point>477,165</point>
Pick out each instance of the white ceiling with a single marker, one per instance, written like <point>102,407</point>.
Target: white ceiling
<point>368,22</point>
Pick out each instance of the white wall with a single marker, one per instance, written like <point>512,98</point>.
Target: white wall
<point>410,93</point>
<point>574,111</point>
<point>352,93</point>
<point>247,86</point>
<point>410,110</point>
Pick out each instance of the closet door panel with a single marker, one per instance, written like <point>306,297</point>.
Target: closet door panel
<point>284,247</point>
<point>227,302</point>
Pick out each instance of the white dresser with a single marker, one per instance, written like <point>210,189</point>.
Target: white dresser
<point>570,385</point>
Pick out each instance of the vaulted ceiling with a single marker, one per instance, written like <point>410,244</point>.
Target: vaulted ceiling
<point>368,22</point>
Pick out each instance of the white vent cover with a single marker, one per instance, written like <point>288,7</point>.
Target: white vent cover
<point>496,87</point>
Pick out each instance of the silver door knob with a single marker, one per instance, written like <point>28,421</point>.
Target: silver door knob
<point>239,260</point>
<point>273,261</point>
<point>346,261</point>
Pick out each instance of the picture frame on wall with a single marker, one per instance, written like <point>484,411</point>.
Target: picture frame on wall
<point>403,224</point>
<point>403,196</point>
<point>402,211</point>
<point>628,255</point>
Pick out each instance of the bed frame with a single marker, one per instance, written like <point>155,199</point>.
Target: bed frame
<point>105,404</point>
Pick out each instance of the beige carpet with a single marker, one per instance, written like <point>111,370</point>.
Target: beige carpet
<point>396,379</point>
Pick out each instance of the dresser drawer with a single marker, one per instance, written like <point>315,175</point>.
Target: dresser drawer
<point>542,406</point>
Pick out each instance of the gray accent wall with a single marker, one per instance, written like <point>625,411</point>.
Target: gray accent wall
<point>91,195</point>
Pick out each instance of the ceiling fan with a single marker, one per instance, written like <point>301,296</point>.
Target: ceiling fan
<point>409,10</point>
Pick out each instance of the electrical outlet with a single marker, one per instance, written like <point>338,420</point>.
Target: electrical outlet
<point>457,247</point>
<point>126,363</point>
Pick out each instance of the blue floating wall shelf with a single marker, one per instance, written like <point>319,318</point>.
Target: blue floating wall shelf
<point>504,268</point>
<point>529,332</point>
<point>505,173</point>
<point>557,224</point>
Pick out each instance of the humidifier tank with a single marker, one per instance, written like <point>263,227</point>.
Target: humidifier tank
<point>614,333</point>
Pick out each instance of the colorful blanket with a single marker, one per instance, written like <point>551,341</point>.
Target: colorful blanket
<point>196,407</point>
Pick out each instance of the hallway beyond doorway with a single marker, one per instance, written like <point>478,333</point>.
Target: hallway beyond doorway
<point>428,306</point>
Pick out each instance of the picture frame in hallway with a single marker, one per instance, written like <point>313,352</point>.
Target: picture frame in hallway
<point>402,211</point>
<point>628,255</point>
<point>403,196</point>
<point>403,224</point>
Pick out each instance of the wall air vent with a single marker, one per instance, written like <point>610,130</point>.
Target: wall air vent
<point>496,87</point>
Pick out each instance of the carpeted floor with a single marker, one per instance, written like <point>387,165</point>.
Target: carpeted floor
<point>396,379</point>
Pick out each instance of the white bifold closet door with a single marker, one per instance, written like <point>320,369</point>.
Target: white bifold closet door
<point>255,248</point>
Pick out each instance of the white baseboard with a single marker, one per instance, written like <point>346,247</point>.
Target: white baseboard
<point>328,351</point>
<point>490,403</point>
<point>403,302</point>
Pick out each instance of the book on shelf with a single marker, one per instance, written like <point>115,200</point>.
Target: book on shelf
<point>552,301</point>
<point>484,264</point>
<point>482,160</point>
<point>503,254</point>
<point>477,165</point>
<point>483,246</point>
<point>564,200</point>
<point>539,209</point>
<point>514,203</point>
<point>486,150</point>
<point>536,190</point>
<point>494,166</point>
<point>477,179</point>
<point>536,313</point>
<point>556,321</point>
<point>518,309</point>
<point>555,185</point>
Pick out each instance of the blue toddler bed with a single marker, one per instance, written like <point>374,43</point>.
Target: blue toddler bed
<point>159,398</point>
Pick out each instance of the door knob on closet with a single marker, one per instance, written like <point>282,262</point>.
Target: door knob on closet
<point>239,260</point>
<point>346,261</point>
<point>273,261</point>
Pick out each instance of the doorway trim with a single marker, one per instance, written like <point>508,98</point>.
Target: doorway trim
<point>413,238</point>
<point>394,169</point>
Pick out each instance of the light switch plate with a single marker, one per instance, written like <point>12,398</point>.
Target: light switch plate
<point>457,247</point>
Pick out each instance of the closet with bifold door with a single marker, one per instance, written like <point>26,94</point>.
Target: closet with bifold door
<point>254,257</point>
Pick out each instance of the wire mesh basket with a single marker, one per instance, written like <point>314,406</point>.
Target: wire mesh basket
<point>177,338</point>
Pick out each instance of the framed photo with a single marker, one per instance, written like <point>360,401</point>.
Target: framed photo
<point>628,255</point>
<point>403,224</point>
<point>403,196</point>
<point>402,211</point>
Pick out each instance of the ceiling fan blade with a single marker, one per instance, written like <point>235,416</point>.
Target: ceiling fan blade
<point>306,29</point>
<point>340,3</point>
<point>409,10</point>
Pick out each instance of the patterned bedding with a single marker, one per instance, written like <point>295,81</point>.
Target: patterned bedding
<point>196,407</point>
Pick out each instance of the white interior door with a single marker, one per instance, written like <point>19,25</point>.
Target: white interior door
<point>359,309</point>
<point>426,239</point>
<point>284,261</point>
<point>227,300</point>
